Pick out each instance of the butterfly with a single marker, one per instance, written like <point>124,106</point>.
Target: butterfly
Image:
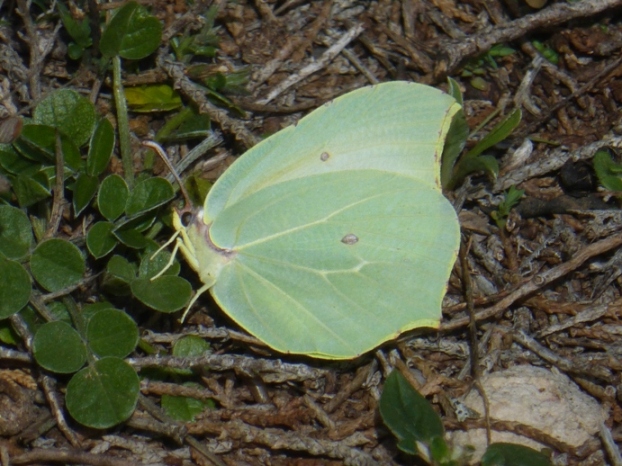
<point>333,236</point>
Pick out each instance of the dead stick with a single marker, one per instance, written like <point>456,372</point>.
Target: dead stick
<point>316,65</point>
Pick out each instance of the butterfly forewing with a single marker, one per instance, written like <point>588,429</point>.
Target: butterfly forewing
<point>396,127</point>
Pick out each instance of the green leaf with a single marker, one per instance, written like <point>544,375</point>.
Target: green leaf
<point>508,454</point>
<point>149,194</point>
<point>512,198</point>
<point>607,171</point>
<point>31,189</point>
<point>480,84</point>
<point>216,82</point>
<point>14,163</point>
<point>482,163</point>
<point>440,453</point>
<point>71,153</point>
<point>408,414</point>
<point>100,148</point>
<point>501,50</point>
<point>104,394</point>
<point>132,33</point>
<point>186,124</point>
<point>100,240</point>
<point>197,188</point>
<point>454,144</point>
<point>8,336</point>
<point>74,51</point>
<point>119,273</point>
<point>89,310</point>
<point>190,346</point>
<point>57,264</point>
<point>57,347</point>
<point>112,197</point>
<point>58,311</point>
<point>131,238</point>
<point>223,101</point>
<point>80,31</point>
<point>500,132</point>
<point>186,347</point>
<point>140,223</point>
<point>68,111</point>
<point>83,191</point>
<point>151,266</point>
<point>15,287</point>
<point>454,90</point>
<point>121,268</point>
<point>111,332</point>
<point>15,232</point>
<point>152,98</point>
<point>165,294</point>
<point>547,52</point>
<point>183,408</point>
<point>31,318</point>
<point>37,143</point>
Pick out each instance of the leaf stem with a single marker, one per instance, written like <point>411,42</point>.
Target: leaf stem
<point>122,122</point>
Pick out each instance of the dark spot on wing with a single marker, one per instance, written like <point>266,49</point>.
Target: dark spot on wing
<point>350,239</point>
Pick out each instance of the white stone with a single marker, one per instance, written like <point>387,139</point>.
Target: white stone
<point>536,397</point>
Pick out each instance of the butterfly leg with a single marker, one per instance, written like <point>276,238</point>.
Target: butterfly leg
<point>171,259</point>
<point>196,296</point>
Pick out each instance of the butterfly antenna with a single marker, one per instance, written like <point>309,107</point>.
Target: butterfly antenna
<point>158,150</point>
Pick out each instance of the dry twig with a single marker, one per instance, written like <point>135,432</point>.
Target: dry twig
<point>270,371</point>
<point>316,65</point>
<point>197,95</point>
<point>539,281</point>
<point>298,42</point>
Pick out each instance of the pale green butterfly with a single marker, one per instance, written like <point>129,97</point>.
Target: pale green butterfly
<point>332,236</point>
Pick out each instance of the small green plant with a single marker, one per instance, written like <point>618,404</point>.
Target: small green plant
<point>131,34</point>
<point>478,65</point>
<point>78,29</point>
<point>419,431</point>
<point>476,69</point>
<point>104,392</point>
<point>511,199</point>
<point>217,82</point>
<point>609,173</point>
<point>547,52</point>
<point>201,44</point>
<point>183,408</point>
<point>64,127</point>
<point>153,98</point>
<point>62,153</point>
<point>455,168</point>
